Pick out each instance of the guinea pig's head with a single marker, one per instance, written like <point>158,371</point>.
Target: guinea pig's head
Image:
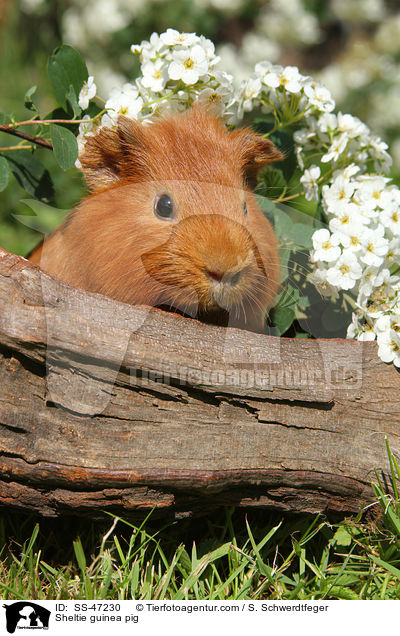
<point>186,229</point>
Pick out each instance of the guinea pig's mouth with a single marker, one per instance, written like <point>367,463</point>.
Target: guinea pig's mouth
<point>219,301</point>
<point>226,291</point>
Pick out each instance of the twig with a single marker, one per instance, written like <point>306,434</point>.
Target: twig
<point>19,147</point>
<point>31,122</point>
<point>35,140</point>
<point>292,196</point>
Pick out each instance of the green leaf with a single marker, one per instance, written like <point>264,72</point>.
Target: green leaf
<point>31,174</point>
<point>387,566</point>
<point>271,182</point>
<point>342,537</point>
<point>4,173</point>
<point>65,146</point>
<point>66,68</point>
<point>283,141</point>
<point>71,98</point>
<point>29,100</point>
<point>284,257</point>
<point>45,218</point>
<point>284,311</point>
<point>283,226</point>
<point>302,235</point>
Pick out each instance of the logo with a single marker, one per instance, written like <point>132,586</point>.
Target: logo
<point>26,615</point>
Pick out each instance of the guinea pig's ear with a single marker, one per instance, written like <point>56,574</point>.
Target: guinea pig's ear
<point>255,152</point>
<point>111,155</point>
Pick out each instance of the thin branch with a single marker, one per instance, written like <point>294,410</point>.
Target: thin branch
<point>289,198</point>
<point>31,122</point>
<point>19,147</point>
<point>35,140</point>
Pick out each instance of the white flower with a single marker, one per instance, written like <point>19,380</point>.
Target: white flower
<point>188,65</point>
<point>393,255</point>
<point>85,130</point>
<point>215,99</point>
<point>373,192</point>
<point>171,37</point>
<point>345,272</point>
<point>347,233</point>
<point>367,335</point>
<point>290,79</point>
<point>375,246</point>
<point>327,122</point>
<point>320,97</point>
<point>309,181</point>
<point>326,246</point>
<point>155,75</point>
<point>379,148</point>
<point>319,278</point>
<point>303,136</point>
<point>372,278</point>
<point>122,102</point>
<point>271,79</point>
<point>209,50</point>
<point>336,149</point>
<point>148,50</point>
<point>347,172</point>
<point>389,346</point>
<point>250,91</point>
<point>390,218</point>
<point>348,220</point>
<point>88,91</point>
<point>337,196</point>
<point>351,125</point>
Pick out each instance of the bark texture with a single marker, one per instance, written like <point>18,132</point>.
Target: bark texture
<point>105,406</point>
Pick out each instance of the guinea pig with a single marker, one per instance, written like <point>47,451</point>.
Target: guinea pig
<point>171,221</point>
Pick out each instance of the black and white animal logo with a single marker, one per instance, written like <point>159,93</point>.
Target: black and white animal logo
<point>26,615</point>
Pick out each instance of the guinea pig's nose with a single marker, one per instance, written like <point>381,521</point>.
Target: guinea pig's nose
<point>218,276</point>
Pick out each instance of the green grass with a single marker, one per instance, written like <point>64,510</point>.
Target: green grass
<point>229,555</point>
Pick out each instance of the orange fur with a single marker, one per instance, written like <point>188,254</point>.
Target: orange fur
<point>211,259</point>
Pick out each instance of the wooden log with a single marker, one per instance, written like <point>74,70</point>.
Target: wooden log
<point>105,406</point>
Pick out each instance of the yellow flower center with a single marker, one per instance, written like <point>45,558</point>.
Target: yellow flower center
<point>157,75</point>
<point>188,63</point>
<point>327,245</point>
<point>354,240</point>
<point>123,110</point>
<point>342,195</point>
<point>395,217</point>
<point>344,269</point>
<point>376,195</point>
<point>345,219</point>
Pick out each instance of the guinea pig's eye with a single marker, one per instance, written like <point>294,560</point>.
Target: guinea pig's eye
<point>245,210</point>
<point>163,206</point>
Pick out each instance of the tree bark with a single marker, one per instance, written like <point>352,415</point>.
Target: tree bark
<point>105,406</point>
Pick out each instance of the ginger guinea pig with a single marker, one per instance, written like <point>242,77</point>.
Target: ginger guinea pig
<point>170,221</point>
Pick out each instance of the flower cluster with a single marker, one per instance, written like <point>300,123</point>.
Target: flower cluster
<point>339,140</point>
<point>341,163</point>
<point>284,92</point>
<point>360,252</point>
<point>176,70</point>
<point>363,240</point>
